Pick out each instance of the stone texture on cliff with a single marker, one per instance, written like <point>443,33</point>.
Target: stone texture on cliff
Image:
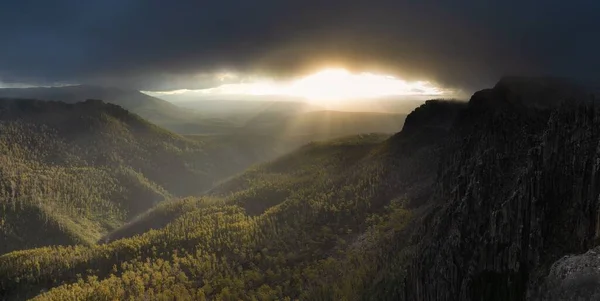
<point>574,277</point>
<point>518,188</point>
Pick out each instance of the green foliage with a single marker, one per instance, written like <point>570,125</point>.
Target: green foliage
<point>71,173</point>
<point>318,224</point>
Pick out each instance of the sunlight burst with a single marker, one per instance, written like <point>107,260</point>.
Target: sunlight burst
<point>338,84</point>
<point>328,86</point>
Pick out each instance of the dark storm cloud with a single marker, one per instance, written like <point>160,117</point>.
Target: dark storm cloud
<point>157,45</point>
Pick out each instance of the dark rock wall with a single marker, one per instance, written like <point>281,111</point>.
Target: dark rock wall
<point>517,189</point>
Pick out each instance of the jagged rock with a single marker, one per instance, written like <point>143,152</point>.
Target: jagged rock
<point>433,114</point>
<point>430,122</point>
<point>518,188</point>
<point>575,277</point>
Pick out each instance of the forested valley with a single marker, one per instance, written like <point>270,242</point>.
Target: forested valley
<point>82,170</point>
<point>477,200</point>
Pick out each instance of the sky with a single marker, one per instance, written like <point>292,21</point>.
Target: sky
<point>156,45</point>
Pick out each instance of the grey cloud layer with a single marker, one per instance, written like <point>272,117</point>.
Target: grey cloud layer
<point>155,45</point>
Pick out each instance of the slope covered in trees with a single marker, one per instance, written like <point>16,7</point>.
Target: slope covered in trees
<point>81,170</point>
<point>71,172</point>
<point>287,229</point>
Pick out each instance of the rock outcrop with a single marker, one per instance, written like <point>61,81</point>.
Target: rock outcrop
<point>575,277</point>
<point>518,188</point>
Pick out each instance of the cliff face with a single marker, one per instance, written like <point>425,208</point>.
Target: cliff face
<point>517,189</point>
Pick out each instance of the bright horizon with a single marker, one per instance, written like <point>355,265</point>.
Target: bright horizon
<point>329,86</point>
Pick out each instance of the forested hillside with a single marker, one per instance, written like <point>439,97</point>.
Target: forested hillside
<point>70,173</point>
<point>84,169</point>
<point>288,229</point>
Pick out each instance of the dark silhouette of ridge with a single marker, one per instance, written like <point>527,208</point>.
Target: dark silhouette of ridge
<point>154,109</point>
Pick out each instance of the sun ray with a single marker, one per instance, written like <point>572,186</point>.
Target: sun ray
<point>330,87</point>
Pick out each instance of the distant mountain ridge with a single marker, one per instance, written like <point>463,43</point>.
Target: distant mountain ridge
<point>128,99</point>
<point>326,124</point>
<point>224,117</point>
<point>154,109</point>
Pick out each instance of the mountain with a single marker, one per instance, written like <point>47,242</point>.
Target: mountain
<point>273,231</point>
<point>86,168</point>
<point>224,117</point>
<point>72,172</point>
<point>517,191</point>
<point>270,232</point>
<point>154,109</point>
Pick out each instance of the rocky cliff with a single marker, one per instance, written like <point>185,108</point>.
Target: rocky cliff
<point>517,189</point>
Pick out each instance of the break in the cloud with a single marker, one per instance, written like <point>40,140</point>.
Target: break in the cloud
<point>329,84</point>
<point>167,45</point>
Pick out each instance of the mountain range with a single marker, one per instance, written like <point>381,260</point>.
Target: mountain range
<point>156,110</point>
<point>224,117</point>
<point>496,198</point>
